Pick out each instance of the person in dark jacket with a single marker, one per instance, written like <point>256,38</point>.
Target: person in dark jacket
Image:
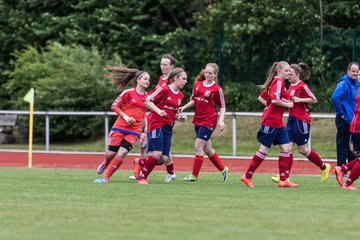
<point>344,103</point>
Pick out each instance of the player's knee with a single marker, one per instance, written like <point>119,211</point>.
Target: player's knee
<point>264,151</point>
<point>303,150</point>
<point>110,155</point>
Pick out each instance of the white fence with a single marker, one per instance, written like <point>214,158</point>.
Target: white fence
<point>106,115</point>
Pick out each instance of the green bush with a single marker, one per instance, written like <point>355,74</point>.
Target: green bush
<point>65,78</point>
<point>242,97</point>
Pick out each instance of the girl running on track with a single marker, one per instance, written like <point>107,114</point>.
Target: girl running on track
<point>164,104</point>
<point>272,130</point>
<point>299,121</point>
<point>131,111</point>
<point>206,95</point>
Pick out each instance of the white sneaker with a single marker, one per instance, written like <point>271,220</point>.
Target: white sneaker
<point>170,178</point>
<point>133,178</point>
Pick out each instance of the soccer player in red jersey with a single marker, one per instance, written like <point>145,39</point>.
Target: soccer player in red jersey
<point>272,130</point>
<point>167,63</point>
<point>299,121</point>
<point>164,104</point>
<point>206,95</point>
<point>131,111</point>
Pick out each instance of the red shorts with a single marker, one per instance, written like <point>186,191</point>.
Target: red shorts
<point>115,138</point>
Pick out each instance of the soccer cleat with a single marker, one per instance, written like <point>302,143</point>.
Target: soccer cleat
<point>133,178</point>
<point>190,178</point>
<point>339,175</point>
<point>350,187</point>
<point>170,177</point>
<point>287,183</point>
<point>225,174</point>
<point>101,168</point>
<point>138,168</point>
<point>143,181</point>
<point>247,181</point>
<point>104,180</point>
<point>275,178</point>
<point>325,173</point>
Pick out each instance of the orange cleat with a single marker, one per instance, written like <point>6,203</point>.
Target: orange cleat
<point>287,183</point>
<point>247,181</point>
<point>350,187</point>
<point>339,175</point>
<point>143,181</point>
<point>138,168</point>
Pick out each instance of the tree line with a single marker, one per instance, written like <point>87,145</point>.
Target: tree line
<point>61,47</point>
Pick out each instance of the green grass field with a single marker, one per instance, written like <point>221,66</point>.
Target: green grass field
<point>65,204</point>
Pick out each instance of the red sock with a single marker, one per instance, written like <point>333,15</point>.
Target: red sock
<point>355,173</point>
<point>349,165</point>
<point>198,161</point>
<point>257,159</point>
<point>283,162</point>
<point>290,163</point>
<point>315,158</point>
<point>217,162</point>
<point>114,165</point>
<point>142,161</point>
<point>170,168</point>
<point>150,163</point>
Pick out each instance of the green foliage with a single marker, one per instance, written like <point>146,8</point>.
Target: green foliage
<point>65,78</point>
<point>242,97</point>
<point>245,36</point>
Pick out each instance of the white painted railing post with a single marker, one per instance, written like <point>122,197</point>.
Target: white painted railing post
<point>47,132</point>
<point>234,133</point>
<point>106,129</point>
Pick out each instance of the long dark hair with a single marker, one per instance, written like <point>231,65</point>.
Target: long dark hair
<point>122,76</point>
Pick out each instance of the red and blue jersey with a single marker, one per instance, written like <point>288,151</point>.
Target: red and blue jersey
<point>273,114</point>
<point>355,123</point>
<point>206,99</point>
<point>132,104</point>
<point>165,99</point>
<point>300,110</point>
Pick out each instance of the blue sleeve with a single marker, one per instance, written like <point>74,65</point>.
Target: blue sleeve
<point>337,96</point>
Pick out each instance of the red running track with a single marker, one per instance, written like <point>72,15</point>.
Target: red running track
<point>182,164</point>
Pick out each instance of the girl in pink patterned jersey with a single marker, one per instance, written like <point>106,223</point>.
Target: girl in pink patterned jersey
<point>299,120</point>
<point>131,111</point>
<point>272,130</point>
<point>206,96</point>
